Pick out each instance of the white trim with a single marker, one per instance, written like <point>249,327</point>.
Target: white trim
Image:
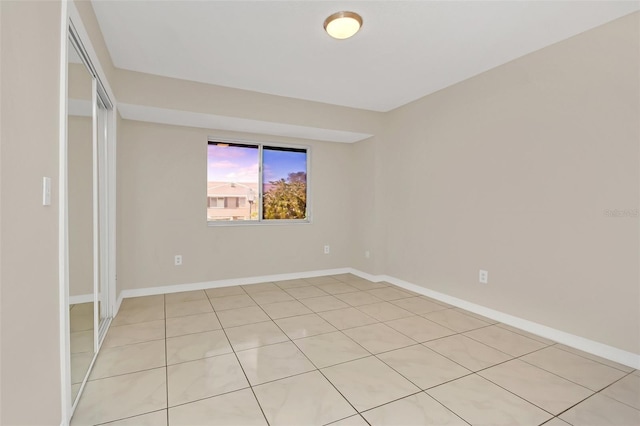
<point>256,222</point>
<point>590,346</point>
<point>96,213</point>
<point>83,384</point>
<point>81,298</point>
<point>63,264</point>
<point>103,137</point>
<point>74,16</point>
<point>111,206</point>
<point>151,291</point>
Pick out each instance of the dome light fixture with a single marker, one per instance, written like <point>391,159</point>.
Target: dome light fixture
<point>342,25</point>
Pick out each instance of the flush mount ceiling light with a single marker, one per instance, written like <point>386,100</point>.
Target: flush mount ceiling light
<point>343,25</point>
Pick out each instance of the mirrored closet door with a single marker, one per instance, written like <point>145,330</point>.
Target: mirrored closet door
<point>80,215</point>
<point>88,110</point>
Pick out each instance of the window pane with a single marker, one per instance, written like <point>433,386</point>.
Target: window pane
<point>232,176</point>
<point>284,181</point>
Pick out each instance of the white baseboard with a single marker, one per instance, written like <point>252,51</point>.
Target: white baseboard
<point>81,298</point>
<point>152,291</point>
<point>590,346</point>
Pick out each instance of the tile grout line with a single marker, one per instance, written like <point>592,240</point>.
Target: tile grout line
<point>452,360</point>
<point>129,417</point>
<point>348,417</point>
<point>165,341</point>
<point>521,332</point>
<point>413,394</point>
<point>508,331</point>
<point>413,338</point>
<point>320,371</point>
<point>371,354</point>
<point>561,377</point>
<point>594,360</point>
<point>139,371</point>
<point>415,384</point>
<point>166,358</point>
<point>518,396</point>
<point>240,364</point>
<point>375,356</point>
<point>422,390</point>
<point>126,374</point>
<point>574,405</point>
<point>556,374</point>
<point>318,313</point>
<point>553,418</point>
<point>615,399</point>
<point>130,344</point>
<point>477,371</point>
<point>208,397</point>
<point>330,382</point>
<point>457,378</point>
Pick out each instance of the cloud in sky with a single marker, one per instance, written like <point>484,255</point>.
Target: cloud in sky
<point>233,172</point>
<point>232,164</point>
<point>241,164</point>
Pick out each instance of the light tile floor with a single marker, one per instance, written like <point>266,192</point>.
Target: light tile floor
<point>340,350</point>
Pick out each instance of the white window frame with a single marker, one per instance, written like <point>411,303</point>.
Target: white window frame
<point>260,221</point>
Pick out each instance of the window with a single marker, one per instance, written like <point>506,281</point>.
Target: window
<point>255,182</point>
<point>216,202</point>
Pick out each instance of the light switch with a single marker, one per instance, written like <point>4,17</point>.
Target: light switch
<point>46,191</point>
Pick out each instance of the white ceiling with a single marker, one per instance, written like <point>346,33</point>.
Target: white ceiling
<point>405,50</point>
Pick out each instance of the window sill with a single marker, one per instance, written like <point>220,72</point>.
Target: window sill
<point>276,222</point>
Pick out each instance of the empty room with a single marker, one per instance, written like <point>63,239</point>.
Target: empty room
<point>319,213</point>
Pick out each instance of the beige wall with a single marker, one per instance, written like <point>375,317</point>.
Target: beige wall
<point>80,198</point>
<point>29,121</point>
<point>512,171</point>
<point>162,212</point>
<point>170,93</point>
<point>367,220</point>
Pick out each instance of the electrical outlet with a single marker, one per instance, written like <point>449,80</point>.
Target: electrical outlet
<point>177,260</point>
<point>367,254</point>
<point>483,276</point>
<point>327,249</point>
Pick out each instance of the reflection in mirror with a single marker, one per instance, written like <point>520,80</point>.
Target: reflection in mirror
<point>81,217</point>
